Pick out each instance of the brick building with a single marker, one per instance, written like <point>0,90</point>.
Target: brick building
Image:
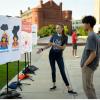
<point>47,13</point>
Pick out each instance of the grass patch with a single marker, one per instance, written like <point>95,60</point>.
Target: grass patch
<point>12,70</point>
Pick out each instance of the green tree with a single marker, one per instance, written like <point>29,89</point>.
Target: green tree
<point>81,31</point>
<point>65,29</point>
<point>46,31</point>
<point>50,30</point>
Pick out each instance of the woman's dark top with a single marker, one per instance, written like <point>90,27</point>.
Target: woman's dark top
<point>59,40</point>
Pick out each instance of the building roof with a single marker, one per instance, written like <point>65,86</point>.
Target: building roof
<point>50,2</point>
<point>47,4</point>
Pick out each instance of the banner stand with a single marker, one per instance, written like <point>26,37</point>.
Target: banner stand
<point>32,66</point>
<point>7,94</point>
<point>31,60</point>
<point>29,56</point>
<point>18,82</point>
<point>27,60</point>
<point>7,78</point>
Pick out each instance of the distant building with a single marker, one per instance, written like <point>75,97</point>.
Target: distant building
<point>97,10</point>
<point>48,13</point>
<point>76,24</point>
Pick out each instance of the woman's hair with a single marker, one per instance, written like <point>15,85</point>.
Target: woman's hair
<point>63,33</point>
<point>6,40</point>
<point>15,37</point>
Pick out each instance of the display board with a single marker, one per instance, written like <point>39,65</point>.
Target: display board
<point>9,39</point>
<point>26,37</point>
<point>34,34</point>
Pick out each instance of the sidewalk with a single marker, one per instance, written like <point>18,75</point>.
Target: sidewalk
<point>39,88</point>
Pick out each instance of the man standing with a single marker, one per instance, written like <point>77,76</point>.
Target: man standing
<point>74,42</point>
<point>90,57</point>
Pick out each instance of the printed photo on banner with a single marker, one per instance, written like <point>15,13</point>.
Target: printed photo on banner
<point>4,37</point>
<point>9,39</point>
<point>26,37</point>
<point>34,34</point>
<point>15,27</point>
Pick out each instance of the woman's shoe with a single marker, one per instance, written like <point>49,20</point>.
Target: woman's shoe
<point>72,92</point>
<point>53,88</point>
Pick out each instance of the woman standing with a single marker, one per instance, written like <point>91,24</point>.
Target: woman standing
<point>57,43</point>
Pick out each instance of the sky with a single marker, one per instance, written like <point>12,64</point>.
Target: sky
<point>79,7</point>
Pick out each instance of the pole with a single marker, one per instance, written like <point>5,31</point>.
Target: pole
<point>7,78</point>
<point>25,60</point>
<point>30,58</point>
<point>18,72</point>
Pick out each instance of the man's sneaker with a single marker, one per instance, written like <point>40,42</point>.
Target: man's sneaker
<point>72,92</point>
<point>53,88</point>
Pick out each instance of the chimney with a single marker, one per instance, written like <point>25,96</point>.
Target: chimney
<point>28,8</point>
<point>21,12</point>
<point>50,2</point>
<point>61,5</point>
<point>41,3</point>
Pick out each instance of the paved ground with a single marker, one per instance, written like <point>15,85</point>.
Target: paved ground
<point>39,89</point>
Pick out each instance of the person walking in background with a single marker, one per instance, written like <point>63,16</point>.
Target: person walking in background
<point>58,43</point>
<point>74,43</point>
<point>90,57</point>
<point>98,34</point>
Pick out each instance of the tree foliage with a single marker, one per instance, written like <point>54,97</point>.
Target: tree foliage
<point>81,31</point>
<point>46,31</point>
<point>49,30</point>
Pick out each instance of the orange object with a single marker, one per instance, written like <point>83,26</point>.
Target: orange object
<point>23,76</point>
